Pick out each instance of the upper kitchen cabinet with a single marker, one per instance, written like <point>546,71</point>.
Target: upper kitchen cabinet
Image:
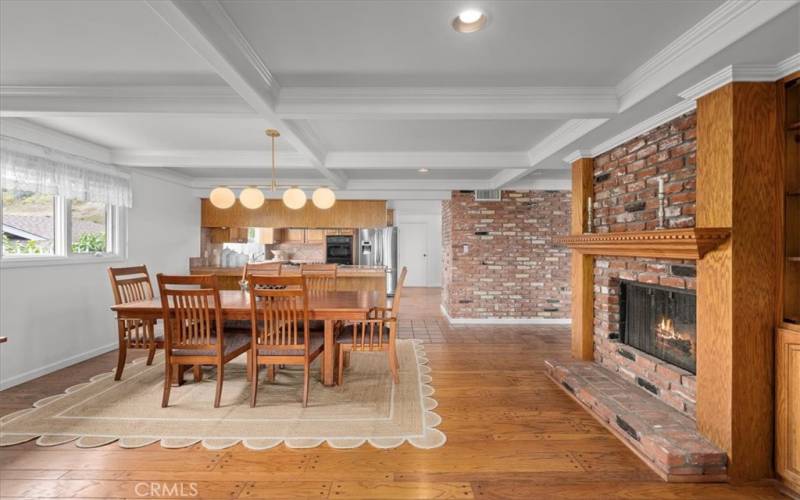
<point>344,214</point>
<point>359,213</point>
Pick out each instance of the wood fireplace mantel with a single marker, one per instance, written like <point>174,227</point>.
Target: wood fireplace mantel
<point>690,243</point>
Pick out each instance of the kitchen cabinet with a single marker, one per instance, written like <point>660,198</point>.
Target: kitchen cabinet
<point>295,235</point>
<point>229,235</point>
<point>787,405</point>
<point>344,214</point>
<point>315,235</point>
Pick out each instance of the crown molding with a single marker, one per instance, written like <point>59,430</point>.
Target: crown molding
<point>31,132</point>
<point>728,23</point>
<point>208,29</point>
<point>463,102</point>
<point>743,73</point>
<point>205,158</point>
<point>427,159</point>
<point>577,155</point>
<point>20,100</point>
<point>163,175</point>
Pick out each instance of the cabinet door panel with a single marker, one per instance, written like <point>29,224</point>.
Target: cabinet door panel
<point>787,445</point>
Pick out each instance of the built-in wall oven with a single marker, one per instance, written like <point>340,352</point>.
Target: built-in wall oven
<point>339,250</point>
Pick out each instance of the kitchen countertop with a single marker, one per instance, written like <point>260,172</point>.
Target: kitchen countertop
<point>343,271</point>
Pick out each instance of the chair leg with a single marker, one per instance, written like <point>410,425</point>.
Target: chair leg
<point>122,354</point>
<point>197,371</point>
<point>306,370</point>
<point>253,384</point>
<point>220,377</point>
<point>250,363</point>
<point>167,384</point>
<point>181,371</point>
<point>271,373</point>
<point>393,366</point>
<point>151,341</point>
<point>347,359</point>
<point>341,356</point>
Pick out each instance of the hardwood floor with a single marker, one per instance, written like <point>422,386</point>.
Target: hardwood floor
<point>511,434</point>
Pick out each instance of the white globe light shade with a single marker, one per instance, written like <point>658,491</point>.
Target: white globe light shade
<point>294,198</point>
<point>323,198</point>
<point>222,197</point>
<point>251,197</point>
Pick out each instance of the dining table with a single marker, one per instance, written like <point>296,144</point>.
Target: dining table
<point>327,306</point>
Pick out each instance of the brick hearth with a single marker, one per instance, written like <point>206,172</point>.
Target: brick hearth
<point>665,438</point>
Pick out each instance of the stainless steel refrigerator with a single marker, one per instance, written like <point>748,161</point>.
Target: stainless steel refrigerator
<point>378,247</point>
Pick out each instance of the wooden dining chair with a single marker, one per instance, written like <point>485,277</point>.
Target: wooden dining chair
<point>319,277</point>
<point>378,332</point>
<point>280,328</point>
<point>131,284</point>
<point>193,329</point>
<point>262,269</point>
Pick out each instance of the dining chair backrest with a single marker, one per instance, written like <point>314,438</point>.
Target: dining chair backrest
<point>319,277</point>
<point>262,269</point>
<point>398,292</point>
<point>370,334</point>
<point>279,311</point>
<point>130,284</point>
<point>192,312</point>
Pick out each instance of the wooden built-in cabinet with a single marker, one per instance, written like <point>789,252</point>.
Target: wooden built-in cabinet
<point>787,346</point>
<point>228,235</point>
<point>344,214</point>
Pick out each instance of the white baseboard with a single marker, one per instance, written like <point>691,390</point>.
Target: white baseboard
<point>504,321</point>
<point>44,370</point>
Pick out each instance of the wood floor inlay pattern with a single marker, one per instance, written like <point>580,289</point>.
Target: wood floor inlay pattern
<point>511,434</point>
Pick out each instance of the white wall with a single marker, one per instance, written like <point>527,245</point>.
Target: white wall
<point>428,212</point>
<point>55,316</point>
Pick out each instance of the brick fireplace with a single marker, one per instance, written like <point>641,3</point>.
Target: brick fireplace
<point>625,188</point>
<point>718,240</point>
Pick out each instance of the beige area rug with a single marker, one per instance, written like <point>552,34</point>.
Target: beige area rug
<point>368,408</point>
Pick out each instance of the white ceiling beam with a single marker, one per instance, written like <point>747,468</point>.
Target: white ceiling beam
<point>728,23</point>
<point>33,101</point>
<point>446,102</point>
<point>427,159</point>
<point>562,137</point>
<point>207,158</point>
<point>207,28</point>
<point>417,184</point>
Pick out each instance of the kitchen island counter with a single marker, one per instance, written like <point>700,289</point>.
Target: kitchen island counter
<point>347,277</point>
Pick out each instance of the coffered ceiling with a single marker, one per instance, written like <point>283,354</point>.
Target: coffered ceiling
<point>366,92</point>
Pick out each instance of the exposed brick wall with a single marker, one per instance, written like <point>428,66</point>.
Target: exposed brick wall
<point>511,268</point>
<point>626,179</point>
<point>625,199</point>
<point>671,384</point>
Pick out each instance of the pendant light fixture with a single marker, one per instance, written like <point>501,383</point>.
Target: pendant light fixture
<point>251,197</point>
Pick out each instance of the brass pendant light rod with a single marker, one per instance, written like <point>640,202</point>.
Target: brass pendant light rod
<point>273,134</point>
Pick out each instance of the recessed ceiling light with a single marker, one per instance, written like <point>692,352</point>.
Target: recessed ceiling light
<point>423,170</point>
<point>469,21</point>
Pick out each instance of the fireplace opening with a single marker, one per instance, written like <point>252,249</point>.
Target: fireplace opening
<point>661,322</point>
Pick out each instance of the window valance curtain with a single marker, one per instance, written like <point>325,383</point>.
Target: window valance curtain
<point>31,167</point>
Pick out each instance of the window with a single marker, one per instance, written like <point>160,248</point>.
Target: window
<point>29,223</point>
<point>47,228</point>
<point>89,227</point>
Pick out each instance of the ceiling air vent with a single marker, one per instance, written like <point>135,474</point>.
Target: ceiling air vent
<point>487,195</point>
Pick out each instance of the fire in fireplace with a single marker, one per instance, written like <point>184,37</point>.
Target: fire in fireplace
<point>661,322</point>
